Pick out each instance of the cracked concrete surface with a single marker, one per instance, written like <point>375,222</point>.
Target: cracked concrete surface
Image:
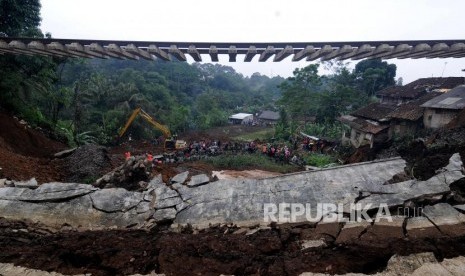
<point>239,201</point>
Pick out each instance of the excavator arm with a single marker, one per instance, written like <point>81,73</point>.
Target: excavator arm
<point>129,122</point>
<point>139,111</point>
<point>166,132</point>
<point>170,142</point>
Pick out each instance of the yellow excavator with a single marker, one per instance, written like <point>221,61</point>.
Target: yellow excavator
<point>171,142</point>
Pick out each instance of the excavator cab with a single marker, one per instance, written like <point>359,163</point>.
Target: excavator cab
<point>171,142</point>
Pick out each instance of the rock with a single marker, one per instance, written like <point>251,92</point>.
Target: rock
<point>240,231</point>
<point>421,227</point>
<point>32,183</point>
<point>312,244</point>
<point>197,180</point>
<point>155,182</point>
<point>2,182</point>
<point>164,214</point>
<point>53,191</point>
<point>64,153</point>
<point>406,265</point>
<point>351,231</point>
<point>143,207</point>
<point>115,200</point>
<point>385,231</point>
<point>166,197</point>
<point>460,207</point>
<point>446,218</point>
<point>180,178</point>
<point>9,183</point>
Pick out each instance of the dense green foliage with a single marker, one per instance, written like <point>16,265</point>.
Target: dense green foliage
<point>249,161</point>
<point>89,100</point>
<point>311,98</point>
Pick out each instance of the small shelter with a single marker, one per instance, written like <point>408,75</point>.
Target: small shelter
<point>241,118</point>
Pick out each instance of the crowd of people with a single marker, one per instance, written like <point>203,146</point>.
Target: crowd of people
<point>282,153</point>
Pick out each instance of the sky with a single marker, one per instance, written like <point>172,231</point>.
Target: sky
<point>266,21</point>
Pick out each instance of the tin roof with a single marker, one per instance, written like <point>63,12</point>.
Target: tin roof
<point>454,99</point>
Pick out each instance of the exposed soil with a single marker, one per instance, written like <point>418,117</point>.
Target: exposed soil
<point>213,251</point>
<point>26,153</point>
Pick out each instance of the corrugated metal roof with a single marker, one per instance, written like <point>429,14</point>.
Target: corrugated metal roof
<point>240,116</point>
<point>454,99</point>
<point>269,115</point>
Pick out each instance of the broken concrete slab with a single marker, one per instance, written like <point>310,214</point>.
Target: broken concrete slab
<point>460,207</point>
<point>398,193</point>
<point>352,231</point>
<point>385,230</point>
<point>406,265</point>
<point>421,227</point>
<point>155,182</point>
<point>449,221</point>
<point>77,212</point>
<point>164,214</point>
<point>115,199</point>
<point>31,184</point>
<point>312,244</point>
<point>54,191</point>
<point>180,178</point>
<point>197,180</point>
<point>243,200</point>
<point>165,196</point>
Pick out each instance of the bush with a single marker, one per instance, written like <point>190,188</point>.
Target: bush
<point>319,160</point>
<point>249,161</point>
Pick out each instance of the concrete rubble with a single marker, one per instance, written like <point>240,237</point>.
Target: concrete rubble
<point>201,203</point>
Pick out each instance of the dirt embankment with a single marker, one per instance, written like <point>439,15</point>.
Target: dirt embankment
<point>25,152</point>
<point>425,156</point>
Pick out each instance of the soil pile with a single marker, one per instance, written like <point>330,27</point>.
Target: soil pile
<point>16,136</point>
<point>26,153</point>
<point>86,164</point>
<point>424,157</point>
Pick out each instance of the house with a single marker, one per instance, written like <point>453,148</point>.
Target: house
<point>368,125</point>
<point>268,117</point>
<point>407,119</point>
<point>439,111</point>
<point>398,113</point>
<point>398,95</point>
<point>241,118</point>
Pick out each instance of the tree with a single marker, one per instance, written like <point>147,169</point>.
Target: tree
<point>25,80</point>
<point>20,18</point>
<point>300,92</point>
<point>373,75</point>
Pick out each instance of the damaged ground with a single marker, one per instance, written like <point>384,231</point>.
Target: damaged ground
<point>191,224</point>
<point>218,250</point>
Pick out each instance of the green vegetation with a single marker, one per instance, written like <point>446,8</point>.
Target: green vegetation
<point>249,161</point>
<point>319,160</point>
<point>89,100</point>
<point>262,135</point>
